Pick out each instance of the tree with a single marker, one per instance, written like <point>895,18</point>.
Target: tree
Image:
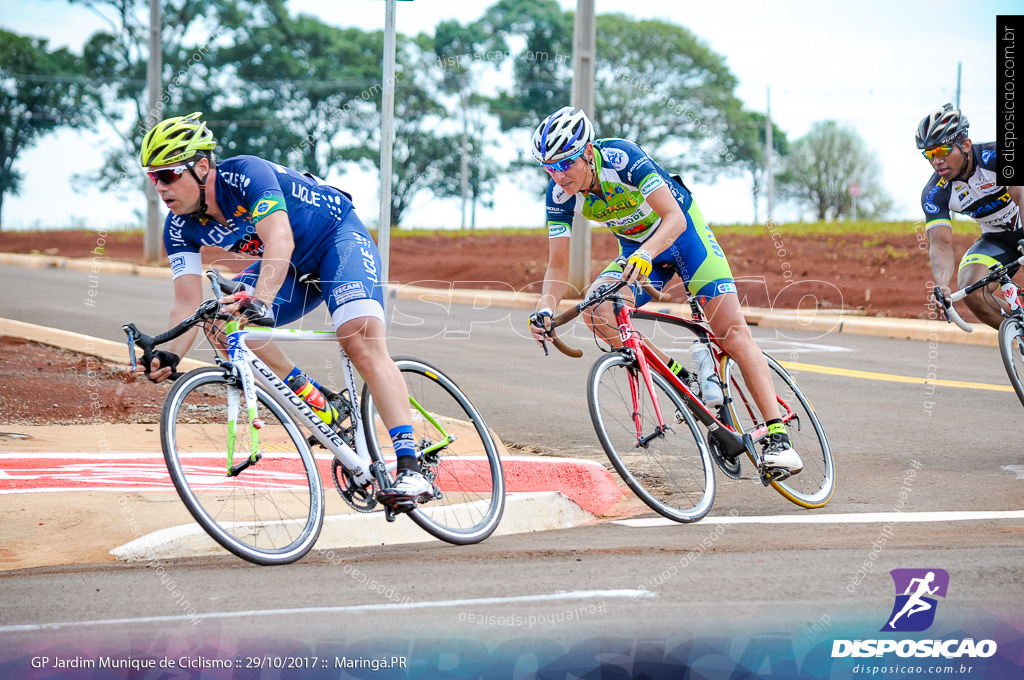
<point>324,74</point>
<point>542,69</point>
<point>420,147</point>
<point>40,91</point>
<point>747,143</point>
<point>471,174</point>
<point>821,168</point>
<point>117,60</point>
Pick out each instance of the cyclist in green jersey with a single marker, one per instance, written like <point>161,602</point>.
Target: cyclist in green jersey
<point>661,232</point>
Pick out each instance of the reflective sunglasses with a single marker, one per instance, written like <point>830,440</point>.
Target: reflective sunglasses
<point>938,152</point>
<point>169,175</point>
<point>564,164</point>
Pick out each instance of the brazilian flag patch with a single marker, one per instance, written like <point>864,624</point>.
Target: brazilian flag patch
<point>265,206</point>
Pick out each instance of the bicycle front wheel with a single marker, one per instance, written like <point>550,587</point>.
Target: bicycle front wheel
<point>457,453</point>
<point>670,469</point>
<point>270,512</point>
<point>812,487</point>
<point>1011,347</point>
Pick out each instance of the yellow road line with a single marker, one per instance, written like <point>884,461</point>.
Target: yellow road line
<point>889,377</point>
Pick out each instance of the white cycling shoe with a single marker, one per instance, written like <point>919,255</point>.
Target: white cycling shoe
<point>409,486</point>
<point>779,454</point>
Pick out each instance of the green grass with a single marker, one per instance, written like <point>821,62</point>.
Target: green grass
<point>962,226</point>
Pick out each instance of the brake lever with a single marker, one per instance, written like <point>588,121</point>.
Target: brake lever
<point>133,334</point>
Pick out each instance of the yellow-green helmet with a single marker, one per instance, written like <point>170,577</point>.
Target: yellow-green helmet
<point>176,139</point>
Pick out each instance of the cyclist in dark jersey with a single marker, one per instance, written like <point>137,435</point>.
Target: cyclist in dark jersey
<point>661,232</point>
<point>297,225</point>
<point>965,182</point>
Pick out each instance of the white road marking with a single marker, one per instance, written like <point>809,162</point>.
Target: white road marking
<point>1015,469</point>
<point>376,607</point>
<point>840,518</point>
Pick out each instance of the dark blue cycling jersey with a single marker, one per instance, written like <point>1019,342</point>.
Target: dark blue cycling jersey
<point>331,242</point>
<point>249,189</point>
<point>982,196</point>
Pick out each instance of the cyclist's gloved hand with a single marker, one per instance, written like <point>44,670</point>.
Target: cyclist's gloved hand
<point>638,265</point>
<point>161,360</point>
<point>540,323</point>
<point>255,310</point>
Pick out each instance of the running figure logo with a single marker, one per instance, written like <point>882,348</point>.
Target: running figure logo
<point>916,590</point>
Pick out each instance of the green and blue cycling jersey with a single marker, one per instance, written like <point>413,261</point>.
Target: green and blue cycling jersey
<point>627,176</point>
<point>330,242</point>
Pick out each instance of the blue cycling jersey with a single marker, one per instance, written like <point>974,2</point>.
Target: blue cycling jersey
<point>627,176</point>
<point>982,196</point>
<point>331,242</point>
<point>248,189</point>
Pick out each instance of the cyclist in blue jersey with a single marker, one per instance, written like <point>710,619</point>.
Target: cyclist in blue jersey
<point>661,232</point>
<point>298,226</point>
<point>965,181</point>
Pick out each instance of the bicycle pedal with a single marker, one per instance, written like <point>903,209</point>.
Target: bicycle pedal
<point>775,475</point>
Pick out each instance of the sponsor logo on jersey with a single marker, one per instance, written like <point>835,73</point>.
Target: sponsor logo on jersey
<point>987,155</point>
<point>986,186</point>
<point>615,158</point>
<point>353,290</point>
<point>177,264</point>
<point>235,179</point>
<point>557,229</point>
<point>728,287</point>
<point>931,208</point>
<point>650,184</point>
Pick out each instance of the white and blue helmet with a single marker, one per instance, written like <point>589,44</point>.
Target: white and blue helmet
<point>563,133</point>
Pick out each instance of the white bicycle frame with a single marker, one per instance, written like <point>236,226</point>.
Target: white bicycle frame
<point>251,370</point>
<point>1009,292</point>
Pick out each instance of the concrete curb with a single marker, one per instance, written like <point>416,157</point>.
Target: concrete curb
<point>86,344</point>
<point>524,513</point>
<point>811,321</point>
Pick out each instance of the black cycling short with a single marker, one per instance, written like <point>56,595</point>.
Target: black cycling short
<point>993,248</point>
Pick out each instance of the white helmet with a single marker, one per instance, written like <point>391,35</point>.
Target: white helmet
<point>563,133</point>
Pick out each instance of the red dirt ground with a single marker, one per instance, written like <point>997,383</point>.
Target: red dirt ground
<point>883,276</point>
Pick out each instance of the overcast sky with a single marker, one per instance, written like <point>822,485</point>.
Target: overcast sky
<point>877,66</point>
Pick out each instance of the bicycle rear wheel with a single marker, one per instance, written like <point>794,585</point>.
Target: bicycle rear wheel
<point>1011,347</point>
<point>670,471</point>
<point>813,486</point>
<point>458,454</point>
<point>269,513</point>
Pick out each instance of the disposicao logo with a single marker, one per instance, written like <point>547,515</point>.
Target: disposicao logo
<point>914,611</point>
<point>916,590</point>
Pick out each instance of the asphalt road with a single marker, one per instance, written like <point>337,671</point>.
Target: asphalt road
<point>755,593</point>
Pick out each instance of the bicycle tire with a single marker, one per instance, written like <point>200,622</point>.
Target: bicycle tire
<point>467,471</point>
<point>671,477</point>
<point>1011,346</point>
<point>814,485</point>
<point>270,513</point>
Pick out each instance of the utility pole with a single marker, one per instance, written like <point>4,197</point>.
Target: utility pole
<point>151,240</point>
<point>958,65</point>
<point>768,153</point>
<point>387,108</point>
<point>584,53</point>
<point>464,166</point>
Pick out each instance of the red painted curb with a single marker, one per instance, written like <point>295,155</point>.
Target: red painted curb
<point>586,483</point>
